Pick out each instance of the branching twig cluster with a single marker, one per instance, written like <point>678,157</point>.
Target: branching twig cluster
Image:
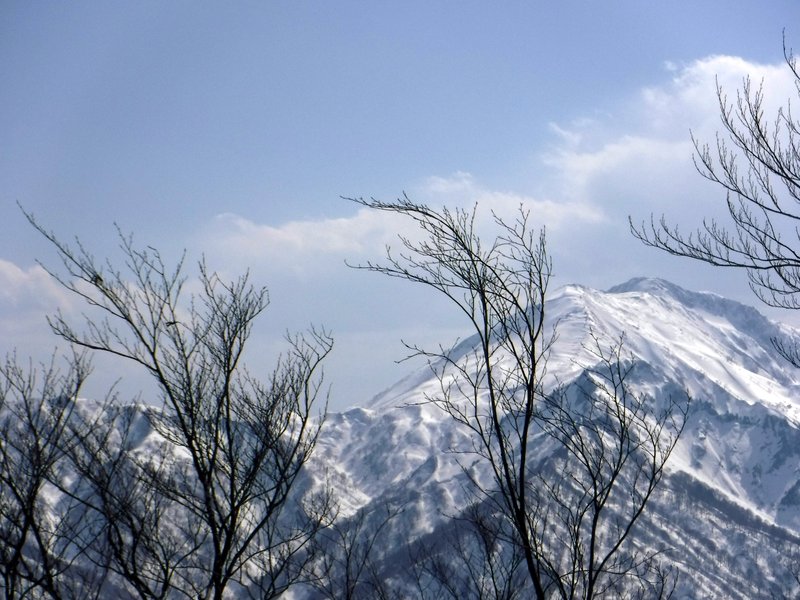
<point>570,522</point>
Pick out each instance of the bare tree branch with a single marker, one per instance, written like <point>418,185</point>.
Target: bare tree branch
<point>757,162</point>
<point>568,525</point>
<point>210,511</point>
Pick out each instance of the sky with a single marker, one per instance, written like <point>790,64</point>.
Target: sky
<point>236,132</point>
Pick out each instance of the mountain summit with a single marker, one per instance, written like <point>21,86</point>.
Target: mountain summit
<point>727,513</point>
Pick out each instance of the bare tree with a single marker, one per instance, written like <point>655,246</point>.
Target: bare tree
<point>210,512</point>
<point>38,558</point>
<point>501,290</point>
<point>602,452</point>
<point>756,161</point>
<point>476,560</point>
<point>345,567</point>
<point>137,531</point>
<point>611,449</point>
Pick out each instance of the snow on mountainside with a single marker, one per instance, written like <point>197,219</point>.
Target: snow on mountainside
<point>728,513</point>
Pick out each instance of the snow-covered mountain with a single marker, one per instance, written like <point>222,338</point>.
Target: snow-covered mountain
<point>725,517</point>
<point>727,513</point>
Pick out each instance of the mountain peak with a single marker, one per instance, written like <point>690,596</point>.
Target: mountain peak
<point>662,287</point>
<point>732,477</point>
<point>743,317</point>
<point>646,284</point>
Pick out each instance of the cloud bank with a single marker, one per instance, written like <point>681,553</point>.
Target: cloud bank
<point>592,174</point>
<point>587,177</point>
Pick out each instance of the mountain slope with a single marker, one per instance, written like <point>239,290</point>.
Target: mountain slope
<point>728,512</point>
<point>726,516</point>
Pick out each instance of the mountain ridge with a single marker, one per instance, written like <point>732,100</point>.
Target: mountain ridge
<point>580,311</point>
<point>726,515</point>
<point>738,455</point>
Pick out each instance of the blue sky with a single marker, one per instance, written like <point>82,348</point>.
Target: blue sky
<point>235,130</point>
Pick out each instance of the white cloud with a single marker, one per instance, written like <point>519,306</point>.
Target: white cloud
<point>641,157</point>
<point>29,289</point>
<point>631,162</point>
<point>27,296</point>
<point>296,237</point>
<point>303,247</point>
<point>300,246</point>
<point>634,160</point>
<point>463,190</point>
<point>569,137</point>
<point>637,161</point>
<point>689,98</point>
<point>459,183</point>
